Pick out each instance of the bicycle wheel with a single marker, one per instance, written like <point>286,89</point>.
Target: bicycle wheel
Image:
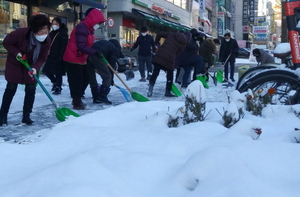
<point>250,73</point>
<point>283,85</point>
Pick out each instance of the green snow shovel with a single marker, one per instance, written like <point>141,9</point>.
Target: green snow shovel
<point>203,79</point>
<point>61,113</point>
<point>135,96</point>
<point>175,90</point>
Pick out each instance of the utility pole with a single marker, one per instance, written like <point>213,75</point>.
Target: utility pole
<point>284,31</point>
<point>105,28</point>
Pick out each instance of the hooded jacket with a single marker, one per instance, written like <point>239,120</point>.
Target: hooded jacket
<point>82,39</point>
<point>173,45</point>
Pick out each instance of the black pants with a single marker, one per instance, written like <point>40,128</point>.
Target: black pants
<point>97,64</point>
<point>155,74</point>
<point>9,94</point>
<point>78,79</point>
<point>55,79</point>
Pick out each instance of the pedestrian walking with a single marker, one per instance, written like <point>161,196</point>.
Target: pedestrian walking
<point>54,67</point>
<point>111,50</point>
<point>165,57</point>
<point>228,50</point>
<point>34,42</point>
<point>78,49</point>
<point>147,48</point>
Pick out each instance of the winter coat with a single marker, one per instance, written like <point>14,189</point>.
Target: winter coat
<point>264,58</point>
<point>228,48</point>
<point>189,54</point>
<point>145,44</point>
<point>82,39</point>
<point>18,42</point>
<point>55,63</point>
<point>111,50</point>
<point>173,45</point>
<point>207,48</point>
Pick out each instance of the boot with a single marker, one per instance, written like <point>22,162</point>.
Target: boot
<point>104,90</point>
<point>169,94</point>
<point>78,104</point>
<point>3,119</point>
<point>26,119</point>
<point>53,87</point>
<point>150,91</point>
<point>57,90</point>
<point>95,94</point>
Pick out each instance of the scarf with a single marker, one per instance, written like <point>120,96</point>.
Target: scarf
<point>34,42</point>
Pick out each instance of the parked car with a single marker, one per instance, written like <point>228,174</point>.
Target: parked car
<point>243,53</point>
<point>124,63</point>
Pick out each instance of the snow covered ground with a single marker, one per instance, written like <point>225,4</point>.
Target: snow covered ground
<point>128,150</point>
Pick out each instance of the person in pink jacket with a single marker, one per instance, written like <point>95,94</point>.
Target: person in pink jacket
<point>77,52</point>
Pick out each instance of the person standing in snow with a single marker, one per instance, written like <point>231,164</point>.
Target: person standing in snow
<point>190,59</point>
<point>262,57</point>
<point>165,57</point>
<point>77,52</point>
<point>146,45</point>
<point>229,48</point>
<point>34,42</point>
<point>111,50</point>
<point>54,67</point>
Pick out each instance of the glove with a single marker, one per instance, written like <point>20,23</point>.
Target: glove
<point>19,55</point>
<point>131,49</point>
<point>99,54</point>
<point>32,72</point>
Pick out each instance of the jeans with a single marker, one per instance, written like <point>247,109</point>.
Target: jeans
<point>197,64</point>
<point>231,70</point>
<point>142,61</point>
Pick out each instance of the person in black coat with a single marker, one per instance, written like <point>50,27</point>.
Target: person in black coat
<point>54,67</point>
<point>147,48</point>
<point>111,50</point>
<point>229,48</point>
<point>190,59</point>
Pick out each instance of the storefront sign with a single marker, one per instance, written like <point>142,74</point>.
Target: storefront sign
<point>260,29</point>
<point>156,8</point>
<point>110,22</point>
<point>202,6</point>
<point>260,21</point>
<point>129,23</point>
<point>221,3</point>
<point>245,12</point>
<point>245,29</point>
<point>251,11</point>
<point>221,19</point>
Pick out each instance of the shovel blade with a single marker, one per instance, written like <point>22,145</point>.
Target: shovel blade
<point>63,113</point>
<point>203,80</point>
<point>125,93</point>
<point>129,74</point>
<point>175,90</point>
<point>138,97</point>
<point>219,76</point>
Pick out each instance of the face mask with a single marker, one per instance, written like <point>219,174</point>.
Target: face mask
<point>55,27</point>
<point>96,26</point>
<point>227,40</point>
<point>41,38</point>
<point>144,34</point>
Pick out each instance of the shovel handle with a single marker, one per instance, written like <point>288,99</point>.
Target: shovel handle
<point>113,70</point>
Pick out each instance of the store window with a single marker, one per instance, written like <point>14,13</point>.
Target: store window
<point>12,17</point>
<point>128,37</point>
<point>179,3</point>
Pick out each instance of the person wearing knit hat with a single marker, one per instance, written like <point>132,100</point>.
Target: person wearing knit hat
<point>262,57</point>
<point>147,48</point>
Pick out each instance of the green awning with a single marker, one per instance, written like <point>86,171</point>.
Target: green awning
<point>161,21</point>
